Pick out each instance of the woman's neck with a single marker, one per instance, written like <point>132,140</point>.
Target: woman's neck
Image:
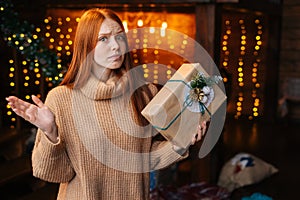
<point>102,73</point>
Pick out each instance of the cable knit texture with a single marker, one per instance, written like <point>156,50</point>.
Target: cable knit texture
<point>101,152</point>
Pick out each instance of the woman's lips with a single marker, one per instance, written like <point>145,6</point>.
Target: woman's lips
<point>114,57</point>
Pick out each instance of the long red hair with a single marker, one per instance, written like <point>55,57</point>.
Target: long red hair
<point>81,65</point>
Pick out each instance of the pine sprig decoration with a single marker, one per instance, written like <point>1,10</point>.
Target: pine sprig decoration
<point>20,35</point>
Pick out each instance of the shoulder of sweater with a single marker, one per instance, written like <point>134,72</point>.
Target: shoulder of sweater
<point>153,88</point>
<point>58,94</point>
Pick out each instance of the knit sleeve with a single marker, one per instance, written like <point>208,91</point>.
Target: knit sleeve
<point>50,161</point>
<point>163,154</point>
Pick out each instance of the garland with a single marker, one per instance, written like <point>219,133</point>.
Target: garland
<point>20,35</point>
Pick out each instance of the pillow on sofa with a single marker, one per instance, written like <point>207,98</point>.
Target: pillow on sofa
<point>244,169</point>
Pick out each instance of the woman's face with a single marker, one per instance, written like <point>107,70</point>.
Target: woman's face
<point>111,45</point>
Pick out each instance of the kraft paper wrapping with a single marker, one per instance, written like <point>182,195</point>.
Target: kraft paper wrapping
<point>168,111</point>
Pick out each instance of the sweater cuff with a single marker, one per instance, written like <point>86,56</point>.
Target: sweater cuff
<point>49,147</point>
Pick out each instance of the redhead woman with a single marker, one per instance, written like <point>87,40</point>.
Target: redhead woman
<point>91,136</point>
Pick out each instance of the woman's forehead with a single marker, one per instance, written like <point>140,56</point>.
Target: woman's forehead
<point>109,26</point>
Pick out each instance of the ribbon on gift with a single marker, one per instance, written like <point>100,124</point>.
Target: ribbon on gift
<point>187,102</point>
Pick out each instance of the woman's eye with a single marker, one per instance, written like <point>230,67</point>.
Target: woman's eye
<point>102,39</point>
<point>120,37</point>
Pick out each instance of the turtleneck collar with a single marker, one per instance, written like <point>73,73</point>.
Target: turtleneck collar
<point>99,90</point>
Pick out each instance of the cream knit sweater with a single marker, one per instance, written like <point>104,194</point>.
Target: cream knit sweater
<point>101,152</point>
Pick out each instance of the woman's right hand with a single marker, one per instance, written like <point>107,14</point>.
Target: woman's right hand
<point>37,114</point>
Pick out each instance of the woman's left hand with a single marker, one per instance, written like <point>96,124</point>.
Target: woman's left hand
<point>200,132</point>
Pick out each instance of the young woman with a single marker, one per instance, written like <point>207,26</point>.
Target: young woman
<point>92,138</point>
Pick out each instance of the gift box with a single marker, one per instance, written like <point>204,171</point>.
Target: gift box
<point>179,107</point>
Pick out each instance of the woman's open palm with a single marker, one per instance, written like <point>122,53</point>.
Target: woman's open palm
<point>37,114</point>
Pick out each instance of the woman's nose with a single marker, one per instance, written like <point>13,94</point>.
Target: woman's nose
<point>114,44</point>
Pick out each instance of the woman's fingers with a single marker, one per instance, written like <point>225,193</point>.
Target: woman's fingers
<point>200,132</point>
<point>22,108</point>
<point>37,101</point>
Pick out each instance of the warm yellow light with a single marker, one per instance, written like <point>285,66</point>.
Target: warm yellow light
<point>239,108</point>
<point>11,75</point>
<point>21,48</point>
<point>37,82</point>
<point>29,40</point>
<point>58,30</point>
<point>140,23</point>
<point>225,37</point>
<point>12,84</point>
<point>241,74</point>
<point>22,35</point>
<point>46,21</point>
<point>26,84</point>
<point>241,84</point>
<point>243,48</point>
<point>241,99</point>
<point>35,37</point>
<point>38,30</point>
<point>59,48</point>
<point>239,103</point>
<point>254,80</point>
<point>243,37</point>
<point>155,51</point>
<point>17,43</point>
<point>225,63</point>
<point>151,29</point>
<point>25,71</point>
<point>224,48</point>
<point>257,85</point>
<point>241,63</point>
<point>228,32</point>
<point>125,24</point>
<point>27,97</point>
<point>255,114</point>
<point>77,19</point>
<point>257,47</point>
<point>12,69</point>
<point>146,75</point>
<point>164,25</point>
<point>9,112</point>
<point>68,19</point>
